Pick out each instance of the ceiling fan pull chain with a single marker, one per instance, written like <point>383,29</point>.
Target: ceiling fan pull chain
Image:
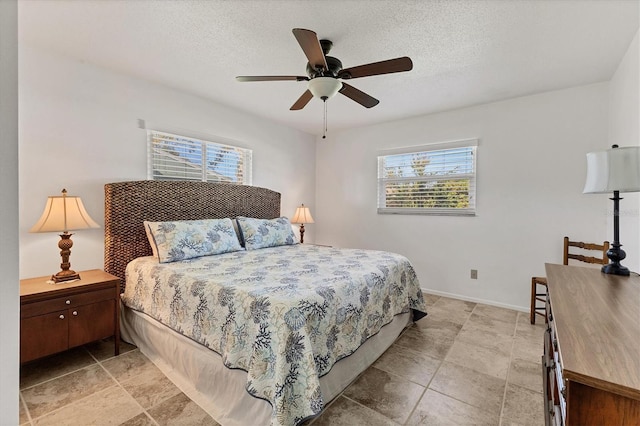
<point>324,130</point>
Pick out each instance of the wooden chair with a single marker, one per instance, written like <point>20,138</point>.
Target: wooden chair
<point>539,284</point>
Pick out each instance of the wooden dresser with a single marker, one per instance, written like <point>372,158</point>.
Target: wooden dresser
<point>591,361</point>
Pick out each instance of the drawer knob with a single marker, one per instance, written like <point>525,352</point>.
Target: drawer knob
<point>68,302</point>
<point>61,316</point>
<point>75,313</point>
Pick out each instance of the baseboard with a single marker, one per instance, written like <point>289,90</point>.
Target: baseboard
<point>476,300</point>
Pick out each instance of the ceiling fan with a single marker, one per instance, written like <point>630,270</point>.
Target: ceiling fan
<point>324,73</point>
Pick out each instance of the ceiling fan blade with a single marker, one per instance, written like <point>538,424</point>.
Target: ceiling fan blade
<point>308,41</point>
<point>271,78</point>
<point>376,68</point>
<point>358,96</point>
<point>302,101</point>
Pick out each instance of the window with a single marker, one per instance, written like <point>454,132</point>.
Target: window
<point>173,157</point>
<point>435,179</point>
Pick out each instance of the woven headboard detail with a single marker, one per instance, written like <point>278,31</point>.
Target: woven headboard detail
<point>128,204</point>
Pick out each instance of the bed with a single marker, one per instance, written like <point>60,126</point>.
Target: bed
<point>263,336</point>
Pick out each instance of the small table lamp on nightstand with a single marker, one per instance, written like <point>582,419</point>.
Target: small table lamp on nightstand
<point>64,213</point>
<point>302,216</point>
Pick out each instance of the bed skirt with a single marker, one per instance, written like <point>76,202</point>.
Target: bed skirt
<point>199,373</point>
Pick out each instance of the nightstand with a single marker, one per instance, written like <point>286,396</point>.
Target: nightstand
<point>57,317</point>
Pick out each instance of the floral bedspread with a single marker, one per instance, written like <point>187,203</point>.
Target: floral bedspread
<point>283,314</point>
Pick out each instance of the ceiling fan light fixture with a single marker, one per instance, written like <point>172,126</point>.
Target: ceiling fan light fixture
<point>324,87</point>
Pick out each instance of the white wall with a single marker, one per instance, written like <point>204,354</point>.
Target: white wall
<point>531,172</point>
<point>79,130</point>
<point>9,286</point>
<point>624,130</point>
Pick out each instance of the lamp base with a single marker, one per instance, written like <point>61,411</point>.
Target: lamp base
<point>301,233</point>
<point>63,276</point>
<point>615,269</point>
<point>616,255</point>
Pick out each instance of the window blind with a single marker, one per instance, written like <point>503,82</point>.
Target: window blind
<point>174,157</point>
<point>429,181</point>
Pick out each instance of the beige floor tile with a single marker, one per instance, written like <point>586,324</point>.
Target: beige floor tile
<point>526,374</point>
<point>487,338</point>
<point>502,314</point>
<point>482,322</point>
<point>392,396</point>
<point>435,409</point>
<point>22,412</point>
<point>523,406</point>
<point>414,366</point>
<point>524,348</point>
<point>54,366</point>
<point>103,349</point>
<point>141,419</point>
<point>112,406</point>
<point>479,359</point>
<point>455,304</point>
<point>345,412</point>
<point>453,310</point>
<point>526,330</point>
<point>48,396</point>
<point>125,366</point>
<point>180,410</point>
<point>150,387</point>
<point>434,342</point>
<point>431,299</point>
<point>437,327</point>
<point>470,386</point>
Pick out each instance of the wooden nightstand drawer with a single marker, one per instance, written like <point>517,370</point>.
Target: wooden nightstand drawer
<point>39,308</point>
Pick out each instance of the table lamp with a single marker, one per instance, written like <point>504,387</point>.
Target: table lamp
<point>614,170</point>
<point>64,213</point>
<point>302,216</point>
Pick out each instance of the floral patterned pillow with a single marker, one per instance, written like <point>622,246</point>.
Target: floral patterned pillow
<point>262,233</point>
<point>181,240</point>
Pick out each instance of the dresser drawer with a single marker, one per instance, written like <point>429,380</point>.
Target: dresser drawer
<point>59,303</point>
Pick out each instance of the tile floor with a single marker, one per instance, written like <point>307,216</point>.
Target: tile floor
<point>465,363</point>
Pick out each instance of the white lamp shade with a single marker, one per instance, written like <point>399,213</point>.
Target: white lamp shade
<point>616,169</point>
<point>63,213</point>
<point>302,215</point>
<point>324,87</point>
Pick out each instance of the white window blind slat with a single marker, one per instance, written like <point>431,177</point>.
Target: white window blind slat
<point>174,157</point>
<point>428,181</point>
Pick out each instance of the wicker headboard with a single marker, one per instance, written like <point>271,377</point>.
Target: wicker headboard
<point>128,204</point>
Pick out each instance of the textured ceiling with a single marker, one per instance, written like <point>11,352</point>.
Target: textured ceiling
<point>464,52</point>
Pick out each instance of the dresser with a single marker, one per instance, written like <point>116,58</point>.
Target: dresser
<point>591,361</point>
<point>57,317</point>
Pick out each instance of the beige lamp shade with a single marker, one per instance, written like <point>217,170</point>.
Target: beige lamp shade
<point>616,169</point>
<point>302,215</point>
<point>63,213</point>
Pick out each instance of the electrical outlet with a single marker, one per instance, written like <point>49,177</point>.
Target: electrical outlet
<point>474,274</point>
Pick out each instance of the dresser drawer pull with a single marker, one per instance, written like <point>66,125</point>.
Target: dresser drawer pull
<point>75,313</point>
<point>68,302</point>
<point>61,316</point>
